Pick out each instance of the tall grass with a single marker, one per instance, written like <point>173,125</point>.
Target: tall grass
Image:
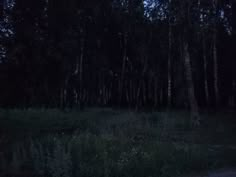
<point>107,143</point>
<point>94,156</point>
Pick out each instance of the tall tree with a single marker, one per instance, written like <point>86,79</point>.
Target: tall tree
<point>169,56</point>
<point>187,28</point>
<point>215,58</point>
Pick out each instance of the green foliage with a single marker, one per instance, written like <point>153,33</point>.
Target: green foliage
<point>109,144</point>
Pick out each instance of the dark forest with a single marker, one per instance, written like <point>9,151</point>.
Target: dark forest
<point>117,88</point>
<point>122,53</point>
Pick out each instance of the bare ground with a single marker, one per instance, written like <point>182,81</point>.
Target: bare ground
<point>219,173</point>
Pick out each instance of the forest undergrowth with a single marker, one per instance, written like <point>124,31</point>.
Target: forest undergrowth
<point>113,143</point>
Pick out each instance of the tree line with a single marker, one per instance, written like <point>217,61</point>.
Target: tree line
<point>126,53</point>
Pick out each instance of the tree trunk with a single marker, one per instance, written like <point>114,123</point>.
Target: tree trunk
<point>127,92</point>
<point>138,95</point>
<point>232,99</point>
<point>144,93</point>
<point>234,53</point>
<point>63,94</point>
<point>190,85</point>
<point>169,90</point>
<point>81,71</point>
<point>123,69</point>
<point>161,97</point>
<point>205,72</point>
<point>155,92</point>
<point>215,59</point>
<point>130,93</point>
<point>215,65</point>
<point>141,82</point>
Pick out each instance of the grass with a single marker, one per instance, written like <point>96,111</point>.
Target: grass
<point>113,143</point>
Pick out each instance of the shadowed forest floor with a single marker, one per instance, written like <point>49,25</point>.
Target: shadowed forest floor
<point>107,143</point>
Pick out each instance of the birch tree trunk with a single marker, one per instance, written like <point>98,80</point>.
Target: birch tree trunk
<point>169,91</point>
<point>205,71</point>
<point>141,82</point>
<point>215,59</point>
<point>206,90</point>
<point>190,85</point>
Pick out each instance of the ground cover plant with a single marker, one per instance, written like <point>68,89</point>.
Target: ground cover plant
<point>107,143</point>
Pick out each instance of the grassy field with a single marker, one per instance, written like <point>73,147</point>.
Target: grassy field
<point>113,143</point>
